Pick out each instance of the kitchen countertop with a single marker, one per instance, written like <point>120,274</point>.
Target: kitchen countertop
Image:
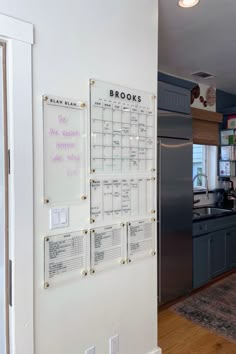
<point>228,212</point>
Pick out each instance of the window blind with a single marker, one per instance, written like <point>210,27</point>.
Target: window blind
<point>206,126</point>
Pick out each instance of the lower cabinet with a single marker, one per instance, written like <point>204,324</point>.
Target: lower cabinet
<point>231,248</point>
<point>201,261</point>
<point>213,254</point>
<point>218,253</point>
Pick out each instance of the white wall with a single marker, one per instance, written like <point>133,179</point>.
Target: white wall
<point>76,40</point>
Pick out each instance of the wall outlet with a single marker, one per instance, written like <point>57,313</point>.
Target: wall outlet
<point>90,350</point>
<point>114,344</point>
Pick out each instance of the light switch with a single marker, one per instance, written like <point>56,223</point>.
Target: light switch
<point>90,350</point>
<point>59,217</point>
<point>63,217</point>
<point>56,218</point>
<point>114,345</point>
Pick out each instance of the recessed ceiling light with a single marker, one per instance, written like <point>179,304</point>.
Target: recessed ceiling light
<point>188,3</point>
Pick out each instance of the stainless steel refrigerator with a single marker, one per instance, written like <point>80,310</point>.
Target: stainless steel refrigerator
<point>175,205</point>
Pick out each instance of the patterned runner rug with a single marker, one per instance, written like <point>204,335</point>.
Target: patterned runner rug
<point>213,308</point>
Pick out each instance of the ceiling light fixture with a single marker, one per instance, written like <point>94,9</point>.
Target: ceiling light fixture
<point>188,3</point>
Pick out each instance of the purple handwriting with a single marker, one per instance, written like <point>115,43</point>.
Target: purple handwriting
<point>62,119</point>
<point>57,158</point>
<point>65,146</point>
<point>71,133</point>
<point>73,157</point>
<point>53,132</point>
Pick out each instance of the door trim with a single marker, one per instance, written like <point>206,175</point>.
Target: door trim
<point>6,204</point>
<point>18,36</point>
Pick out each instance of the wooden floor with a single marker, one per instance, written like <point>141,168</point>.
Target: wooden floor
<point>180,336</point>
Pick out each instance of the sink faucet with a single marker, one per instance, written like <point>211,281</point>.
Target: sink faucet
<point>203,175</point>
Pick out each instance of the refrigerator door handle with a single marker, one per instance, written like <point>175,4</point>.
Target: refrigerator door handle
<point>159,224</point>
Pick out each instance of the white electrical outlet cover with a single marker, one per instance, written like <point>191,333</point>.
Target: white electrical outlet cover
<point>90,350</point>
<point>156,351</point>
<point>114,344</point>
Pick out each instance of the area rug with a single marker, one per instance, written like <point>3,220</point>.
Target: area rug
<point>213,308</point>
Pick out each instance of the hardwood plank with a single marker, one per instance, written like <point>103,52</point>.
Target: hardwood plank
<point>178,335</point>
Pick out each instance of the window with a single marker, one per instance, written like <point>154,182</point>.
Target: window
<point>204,162</point>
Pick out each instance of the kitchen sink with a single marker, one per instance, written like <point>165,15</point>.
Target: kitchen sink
<point>198,212</point>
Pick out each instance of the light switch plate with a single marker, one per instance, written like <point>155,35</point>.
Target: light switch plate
<point>59,218</point>
<point>90,350</point>
<point>114,344</point>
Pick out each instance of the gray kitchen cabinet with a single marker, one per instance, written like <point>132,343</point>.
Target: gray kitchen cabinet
<point>231,248</point>
<point>218,252</point>
<point>214,248</point>
<point>201,261</point>
<point>173,98</point>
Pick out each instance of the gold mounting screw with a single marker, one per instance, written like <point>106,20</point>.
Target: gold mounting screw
<point>153,211</point>
<point>92,271</point>
<point>153,220</point>
<point>83,197</point>
<point>85,232</point>
<point>93,170</point>
<point>129,260</point>
<point>93,231</point>
<point>122,224</point>
<point>46,239</point>
<point>92,180</point>
<point>153,169</point>
<point>92,221</point>
<point>82,105</point>
<point>122,261</point>
<point>45,98</point>
<point>154,97</point>
<point>46,285</point>
<point>92,82</point>
<point>46,201</point>
<point>153,253</point>
<point>84,273</point>
<point>153,178</point>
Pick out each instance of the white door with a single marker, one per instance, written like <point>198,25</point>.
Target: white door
<point>4,294</point>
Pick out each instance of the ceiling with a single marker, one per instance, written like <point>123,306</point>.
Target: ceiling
<point>202,38</point>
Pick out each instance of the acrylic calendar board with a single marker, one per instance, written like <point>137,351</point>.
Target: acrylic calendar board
<point>122,129</point>
<point>114,199</point>
<point>64,149</point>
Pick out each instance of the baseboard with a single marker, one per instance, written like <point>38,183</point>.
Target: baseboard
<point>156,351</point>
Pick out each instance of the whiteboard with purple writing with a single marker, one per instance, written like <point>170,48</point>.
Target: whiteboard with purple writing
<point>64,149</point>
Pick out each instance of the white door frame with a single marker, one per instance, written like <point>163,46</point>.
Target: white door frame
<point>18,36</point>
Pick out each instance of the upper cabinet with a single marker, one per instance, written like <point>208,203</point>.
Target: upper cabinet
<point>173,98</point>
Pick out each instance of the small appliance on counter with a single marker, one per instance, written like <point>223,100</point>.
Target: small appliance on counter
<point>226,184</point>
<point>225,195</point>
<point>219,197</point>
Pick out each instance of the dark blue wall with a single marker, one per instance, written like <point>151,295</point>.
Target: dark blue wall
<point>224,100</point>
<point>169,79</point>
